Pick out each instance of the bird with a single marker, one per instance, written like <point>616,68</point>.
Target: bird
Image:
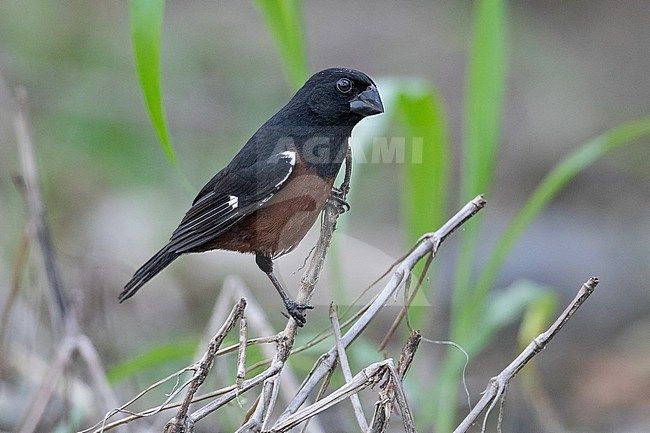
<point>270,194</point>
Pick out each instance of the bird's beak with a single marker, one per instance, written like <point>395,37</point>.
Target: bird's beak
<point>367,103</point>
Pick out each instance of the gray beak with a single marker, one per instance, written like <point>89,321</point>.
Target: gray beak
<point>367,103</point>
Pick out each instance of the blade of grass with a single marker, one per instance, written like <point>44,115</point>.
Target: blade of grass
<point>568,168</point>
<point>283,19</point>
<point>484,96</point>
<point>414,106</point>
<point>426,172</point>
<point>146,23</point>
<point>151,359</point>
<point>558,177</point>
<point>482,127</point>
<point>483,106</point>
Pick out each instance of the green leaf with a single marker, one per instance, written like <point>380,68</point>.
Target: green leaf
<point>568,168</point>
<point>557,178</point>
<point>152,358</point>
<point>146,24</point>
<point>415,107</point>
<point>484,96</point>
<point>283,19</point>
<point>537,317</point>
<point>503,309</point>
<point>426,171</point>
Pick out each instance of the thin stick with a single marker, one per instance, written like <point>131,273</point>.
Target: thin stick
<point>321,393</point>
<point>241,354</point>
<point>384,405</point>
<point>73,339</point>
<point>402,312</point>
<point>35,201</point>
<point>39,403</point>
<point>180,421</point>
<point>365,378</point>
<point>428,244</point>
<point>345,367</point>
<point>16,277</point>
<point>498,384</point>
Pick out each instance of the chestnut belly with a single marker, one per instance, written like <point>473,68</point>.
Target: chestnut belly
<point>282,222</point>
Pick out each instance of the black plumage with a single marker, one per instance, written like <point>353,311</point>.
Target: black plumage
<point>267,197</point>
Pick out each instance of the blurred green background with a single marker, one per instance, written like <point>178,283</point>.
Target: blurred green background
<point>574,70</point>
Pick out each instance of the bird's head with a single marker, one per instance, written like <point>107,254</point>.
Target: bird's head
<point>339,97</point>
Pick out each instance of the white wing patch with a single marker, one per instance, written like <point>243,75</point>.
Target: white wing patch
<point>233,201</point>
<point>291,156</point>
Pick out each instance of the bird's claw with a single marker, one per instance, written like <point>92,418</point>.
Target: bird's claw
<point>295,311</point>
<point>337,199</point>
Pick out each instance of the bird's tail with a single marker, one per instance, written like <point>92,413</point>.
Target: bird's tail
<point>149,270</point>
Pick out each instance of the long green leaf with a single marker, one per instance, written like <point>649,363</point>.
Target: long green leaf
<point>569,167</point>
<point>152,358</point>
<point>484,96</point>
<point>414,106</point>
<point>482,124</point>
<point>284,21</point>
<point>502,309</point>
<point>426,172</point>
<point>146,24</point>
<point>557,178</point>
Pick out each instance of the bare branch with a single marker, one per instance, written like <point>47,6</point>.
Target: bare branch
<point>497,386</point>
<point>241,353</point>
<point>345,366</point>
<point>181,422</point>
<point>428,244</point>
<point>34,200</point>
<point>73,340</point>
<point>365,378</point>
<point>384,405</point>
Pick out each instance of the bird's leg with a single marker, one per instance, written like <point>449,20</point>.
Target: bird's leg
<point>336,198</point>
<point>293,308</point>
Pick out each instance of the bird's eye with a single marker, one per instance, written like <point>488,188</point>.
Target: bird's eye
<point>344,85</point>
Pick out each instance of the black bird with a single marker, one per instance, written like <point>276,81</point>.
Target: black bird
<point>271,193</point>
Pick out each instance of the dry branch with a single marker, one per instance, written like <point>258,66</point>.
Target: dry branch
<point>498,385</point>
<point>345,366</point>
<point>73,340</point>
<point>384,406</point>
<point>428,244</point>
<point>181,422</point>
<point>260,414</point>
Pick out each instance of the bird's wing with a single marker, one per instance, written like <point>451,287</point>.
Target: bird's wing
<point>228,198</point>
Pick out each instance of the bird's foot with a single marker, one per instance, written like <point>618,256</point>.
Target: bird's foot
<point>295,310</point>
<point>336,199</point>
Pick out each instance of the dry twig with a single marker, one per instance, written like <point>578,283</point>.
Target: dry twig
<point>260,417</point>
<point>498,385</point>
<point>347,373</point>
<point>384,405</point>
<point>428,244</point>
<point>181,422</point>
<point>73,341</point>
